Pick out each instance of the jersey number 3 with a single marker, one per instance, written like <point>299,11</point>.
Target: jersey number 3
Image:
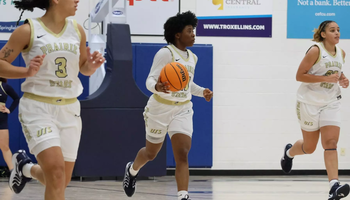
<point>61,63</point>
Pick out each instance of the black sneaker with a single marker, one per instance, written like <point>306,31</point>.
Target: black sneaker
<point>186,197</point>
<point>286,162</point>
<point>129,182</point>
<point>17,180</point>
<point>338,191</point>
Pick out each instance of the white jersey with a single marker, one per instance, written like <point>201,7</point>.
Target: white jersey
<point>323,93</point>
<point>58,75</point>
<point>172,54</point>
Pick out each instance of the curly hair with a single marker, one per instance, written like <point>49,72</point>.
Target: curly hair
<point>30,5</point>
<point>322,28</point>
<point>4,80</point>
<point>177,23</point>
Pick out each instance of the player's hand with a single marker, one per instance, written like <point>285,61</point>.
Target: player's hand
<point>162,87</point>
<point>95,60</point>
<point>208,94</point>
<point>334,78</point>
<point>34,65</point>
<point>344,82</point>
<point>3,109</point>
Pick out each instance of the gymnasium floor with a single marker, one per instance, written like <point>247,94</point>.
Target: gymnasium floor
<point>201,188</point>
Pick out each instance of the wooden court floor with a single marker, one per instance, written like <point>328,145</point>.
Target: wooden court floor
<point>201,188</point>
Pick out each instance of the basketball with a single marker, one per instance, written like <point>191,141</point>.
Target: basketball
<point>176,75</point>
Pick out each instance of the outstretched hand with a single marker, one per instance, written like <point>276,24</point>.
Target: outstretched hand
<point>208,94</point>
<point>95,60</point>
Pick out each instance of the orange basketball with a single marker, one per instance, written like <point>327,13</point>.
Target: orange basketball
<point>176,75</point>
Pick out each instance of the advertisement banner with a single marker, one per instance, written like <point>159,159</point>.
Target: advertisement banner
<point>234,18</point>
<point>147,17</point>
<point>304,16</point>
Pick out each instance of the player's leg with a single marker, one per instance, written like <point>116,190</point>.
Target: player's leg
<point>180,132</point>
<point>53,167</point>
<point>181,144</point>
<point>330,121</point>
<point>70,124</point>
<point>43,140</point>
<point>5,149</point>
<point>308,116</point>
<point>156,117</point>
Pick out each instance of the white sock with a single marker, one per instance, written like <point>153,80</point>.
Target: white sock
<point>132,171</point>
<point>332,182</point>
<point>181,194</point>
<point>26,170</point>
<point>289,154</point>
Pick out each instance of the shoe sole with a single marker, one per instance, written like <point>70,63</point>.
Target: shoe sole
<point>284,152</point>
<point>344,190</point>
<point>13,172</point>
<point>126,171</point>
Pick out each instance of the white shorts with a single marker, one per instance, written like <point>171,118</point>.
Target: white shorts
<point>161,119</point>
<point>312,118</point>
<point>47,125</point>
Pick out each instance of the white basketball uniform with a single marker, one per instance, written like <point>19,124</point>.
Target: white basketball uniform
<point>318,104</point>
<point>171,112</point>
<point>49,110</point>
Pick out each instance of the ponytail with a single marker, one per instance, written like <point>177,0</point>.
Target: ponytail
<point>30,5</point>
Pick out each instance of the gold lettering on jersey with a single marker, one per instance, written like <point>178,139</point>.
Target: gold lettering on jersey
<point>50,48</point>
<point>334,64</point>
<point>190,69</point>
<point>56,47</point>
<point>61,83</point>
<point>43,131</point>
<point>327,85</point>
<point>66,46</point>
<point>25,129</point>
<point>179,94</point>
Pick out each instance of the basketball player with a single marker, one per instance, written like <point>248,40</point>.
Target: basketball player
<point>170,112</point>
<point>54,50</point>
<point>5,91</point>
<point>318,104</point>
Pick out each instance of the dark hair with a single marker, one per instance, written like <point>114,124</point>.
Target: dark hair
<point>317,35</point>
<point>30,5</point>
<point>4,80</point>
<point>176,24</point>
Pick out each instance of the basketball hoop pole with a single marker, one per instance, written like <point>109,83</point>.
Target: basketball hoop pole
<point>104,12</point>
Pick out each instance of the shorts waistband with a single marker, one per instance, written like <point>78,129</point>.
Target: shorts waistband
<point>50,100</point>
<point>168,102</point>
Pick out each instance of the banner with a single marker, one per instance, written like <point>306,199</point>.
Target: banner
<point>304,16</point>
<point>234,18</point>
<point>147,17</point>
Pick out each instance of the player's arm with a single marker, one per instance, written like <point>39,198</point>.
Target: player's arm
<point>153,82</point>
<point>88,63</point>
<point>196,89</point>
<point>309,60</point>
<point>11,92</point>
<point>343,81</point>
<point>200,91</point>
<point>18,41</point>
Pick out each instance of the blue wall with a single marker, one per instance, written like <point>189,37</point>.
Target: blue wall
<point>201,152</point>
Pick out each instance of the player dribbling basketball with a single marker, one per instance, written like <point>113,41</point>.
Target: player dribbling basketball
<point>170,112</point>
